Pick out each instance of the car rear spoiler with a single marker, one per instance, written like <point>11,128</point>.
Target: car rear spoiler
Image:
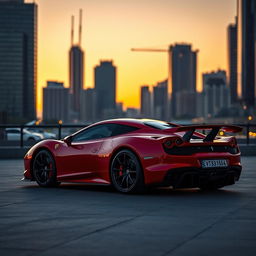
<point>189,130</point>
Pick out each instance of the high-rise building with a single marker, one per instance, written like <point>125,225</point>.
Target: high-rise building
<point>216,93</point>
<point>182,75</point>
<point>160,100</point>
<point>55,102</point>
<point>76,68</point>
<point>18,59</point>
<point>145,102</point>
<point>232,61</point>
<point>105,88</point>
<point>247,51</point>
<point>76,75</point>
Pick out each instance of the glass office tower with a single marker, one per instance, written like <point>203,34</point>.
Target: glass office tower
<point>18,60</point>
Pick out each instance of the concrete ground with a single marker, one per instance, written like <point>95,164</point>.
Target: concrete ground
<point>89,220</point>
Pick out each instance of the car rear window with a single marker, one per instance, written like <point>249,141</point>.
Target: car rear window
<point>161,125</point>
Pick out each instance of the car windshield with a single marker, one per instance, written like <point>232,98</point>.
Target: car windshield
<point>159,124</point>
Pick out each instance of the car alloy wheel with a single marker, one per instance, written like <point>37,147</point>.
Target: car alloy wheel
<point>44,169</point>
<point>126,172</point>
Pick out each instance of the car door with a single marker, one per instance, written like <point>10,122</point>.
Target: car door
<point>79,161</point>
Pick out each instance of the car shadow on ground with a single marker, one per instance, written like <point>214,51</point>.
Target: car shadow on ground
<point>152,191</point>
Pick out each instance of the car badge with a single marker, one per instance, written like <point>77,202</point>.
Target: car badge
<point>212,149</point>
<point>56,146</point>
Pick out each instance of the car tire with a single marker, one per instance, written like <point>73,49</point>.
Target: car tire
<point>44,169</point>
<point>126,172</point>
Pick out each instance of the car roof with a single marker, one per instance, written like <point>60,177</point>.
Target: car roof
<point>140,123</point>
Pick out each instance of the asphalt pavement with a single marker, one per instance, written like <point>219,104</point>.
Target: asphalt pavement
<point>77,219</point>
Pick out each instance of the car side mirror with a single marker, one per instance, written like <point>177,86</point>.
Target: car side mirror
<point>68,140</point>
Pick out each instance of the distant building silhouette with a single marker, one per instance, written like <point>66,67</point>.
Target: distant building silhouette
<point>76,69</point>
<point>216,93</point>
<point>200,112</point>
<point>132,113</point>
<point>55,102</point>
<point>18,59</point>
<point>182,79</point>
<point>232,61</point>
<point>246,51</point>
<point>105,88</point>
<point>87,113</point>
<point>160,100</point>
<point>119,109</point>
<point>186,104</point>
<point>145,102</point>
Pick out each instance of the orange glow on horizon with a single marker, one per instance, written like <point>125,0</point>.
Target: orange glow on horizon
<point>112,27</point>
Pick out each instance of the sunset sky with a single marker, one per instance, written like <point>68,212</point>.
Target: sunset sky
<point>112,27</point>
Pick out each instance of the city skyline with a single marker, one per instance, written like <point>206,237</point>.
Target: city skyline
<point>135,69</point>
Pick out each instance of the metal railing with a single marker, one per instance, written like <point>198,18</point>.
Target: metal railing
<point>59,128</point>
<point>247,130</point>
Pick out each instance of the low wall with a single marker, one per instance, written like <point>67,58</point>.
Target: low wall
<point>13,152</point>
<point>248,150</point>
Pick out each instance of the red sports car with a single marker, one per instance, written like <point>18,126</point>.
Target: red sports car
<point>131,154</point>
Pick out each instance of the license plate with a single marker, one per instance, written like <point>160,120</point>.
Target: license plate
<point>214,163</point>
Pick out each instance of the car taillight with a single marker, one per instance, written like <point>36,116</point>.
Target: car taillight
<point>178,141</point>
<point>170,143</point>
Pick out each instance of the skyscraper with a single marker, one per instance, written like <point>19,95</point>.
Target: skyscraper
<point>55,102</point>
<point>105,88</point>
<point>247,51</point>
<point>182,77</point>
<point>76,75</point>
<point>232,61</point>
<point>145,102</point>
<point>18,59</point>
<point>216,93</point>
<point>160,98</point>
<point>76,68</point>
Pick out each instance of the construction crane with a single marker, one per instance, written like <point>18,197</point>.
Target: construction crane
<point>169,51</point>
<point>148,50</point>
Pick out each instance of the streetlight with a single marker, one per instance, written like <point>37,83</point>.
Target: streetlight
<point>249,118</point>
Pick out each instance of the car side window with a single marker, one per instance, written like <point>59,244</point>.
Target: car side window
<point>103,131</point>
<point>95,132</point>
<point>119,129</point>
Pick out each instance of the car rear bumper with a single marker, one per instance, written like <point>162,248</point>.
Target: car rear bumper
<point>157,169</point>
<point>198,177</point>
